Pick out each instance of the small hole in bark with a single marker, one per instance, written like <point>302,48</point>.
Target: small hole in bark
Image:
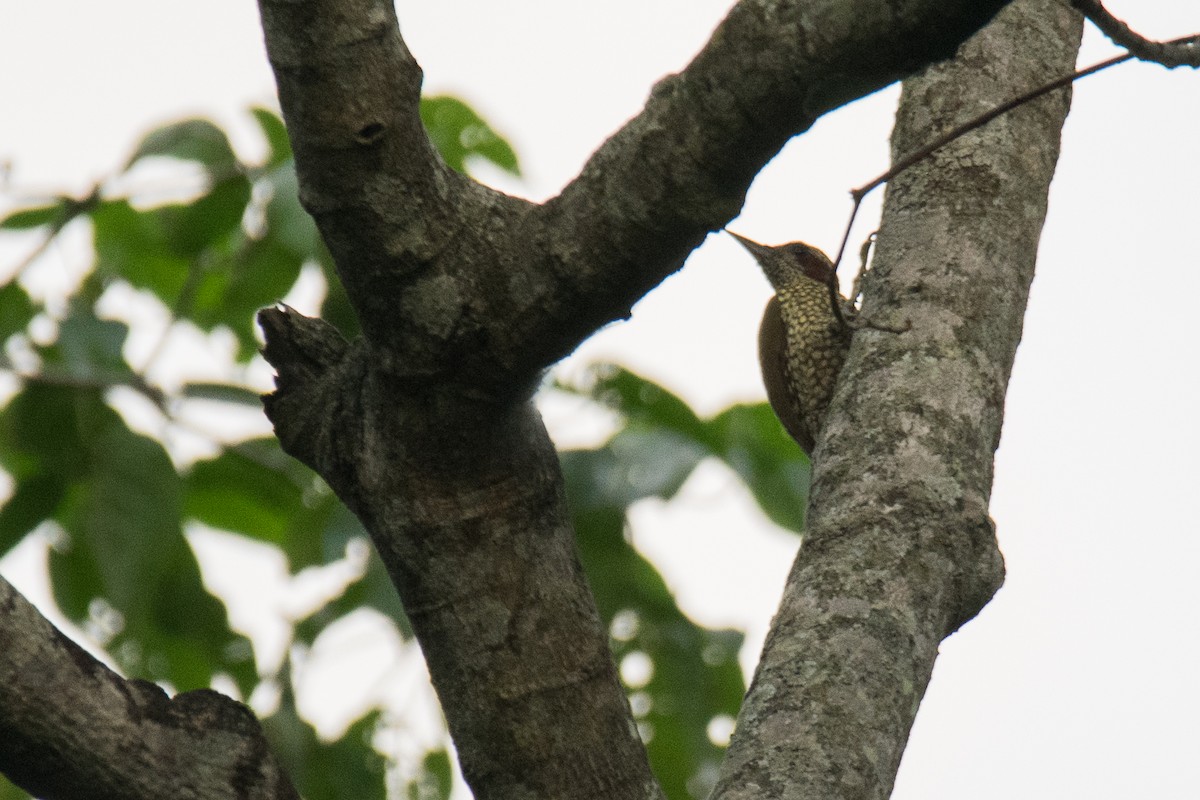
<point>370,134</point>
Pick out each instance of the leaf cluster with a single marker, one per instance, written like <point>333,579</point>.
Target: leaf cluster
<point>117,504</point>
<point>695,677</point>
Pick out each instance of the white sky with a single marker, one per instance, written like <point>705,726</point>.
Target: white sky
<point>1079,679</point>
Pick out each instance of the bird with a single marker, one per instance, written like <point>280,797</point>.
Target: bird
<point>802,343</point>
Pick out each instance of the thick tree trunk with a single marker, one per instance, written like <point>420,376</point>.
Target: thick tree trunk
<point>900,550</point>
<point>425,428</point>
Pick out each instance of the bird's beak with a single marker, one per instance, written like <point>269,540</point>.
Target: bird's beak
<point>757,250</point>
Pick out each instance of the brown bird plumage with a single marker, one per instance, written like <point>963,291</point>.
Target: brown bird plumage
<point>801,342</point>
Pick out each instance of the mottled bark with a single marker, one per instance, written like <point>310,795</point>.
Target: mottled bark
<point>425,426</point>
<point>72,728</point>
<point>465,295</point>
<point>900,550</point>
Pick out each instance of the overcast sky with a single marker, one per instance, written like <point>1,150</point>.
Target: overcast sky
<point>1079,680</point>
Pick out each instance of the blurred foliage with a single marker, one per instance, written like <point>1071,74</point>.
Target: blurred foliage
<point>348,767</point>
<point>10,792</point>
<point>115,504</point>
<point>695,674</point>
<point>459,134</point>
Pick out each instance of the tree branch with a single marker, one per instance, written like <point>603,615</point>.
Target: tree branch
<point>401,225</point>
<point>900,551</point>
<point>681,168</point>
<point>1171,54</point>
<point>467,513</point>
<point>70,727</point>
<point>424,427</point>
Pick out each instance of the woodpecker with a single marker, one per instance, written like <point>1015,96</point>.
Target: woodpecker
<point>802,343</point>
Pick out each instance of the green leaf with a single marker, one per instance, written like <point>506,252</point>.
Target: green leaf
<point>208,222</point>
<point>125,549</point>
<point>289,225</point>
<point>126,509</point>
<point>190,140</point>
<point>255,489</point>
<point>27,218</point>
<point>136,246</point>
<point>647,403</point>
<point>197,259</point>
<point>249,490</point>
<point>233,289</point>
<point>751,441</point>
<point>695,675</point>
<point>287,221</point>
<point>222,392</point>
<point>176,247</point>
<point>373,590</point>
<point>347,769</point>
<point>748,438</point>
<point>236,493</point>
<point>695,671</point>
<point>43,432</point>
<point>10,792</point>
<point>34,500</point>
<point>435,779</point>
<point>278,144</point>
<point>89,347</point>
<point>638,462</point>
<point>459,133</point>
<point>336,309</point>
<point>16,309</point>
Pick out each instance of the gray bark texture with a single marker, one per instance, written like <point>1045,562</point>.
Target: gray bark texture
<point>426,429</point>
<point>72,728</point>
<point>900,550</point>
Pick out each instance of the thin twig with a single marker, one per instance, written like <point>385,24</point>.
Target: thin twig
<point>99,381</point>
<point>1177,53</point>
<point>921,153</point>
<point>924,152</point>
<point>70,209</point>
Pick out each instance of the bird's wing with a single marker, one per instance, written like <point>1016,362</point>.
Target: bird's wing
<point>772,356</point>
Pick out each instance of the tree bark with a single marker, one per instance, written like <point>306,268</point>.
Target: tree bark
<point>72,728</point>
<point>426,430</point>
<point>424,427</point>
<point>900,550</point>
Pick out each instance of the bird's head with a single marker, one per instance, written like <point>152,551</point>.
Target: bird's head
<point>784,263</point>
